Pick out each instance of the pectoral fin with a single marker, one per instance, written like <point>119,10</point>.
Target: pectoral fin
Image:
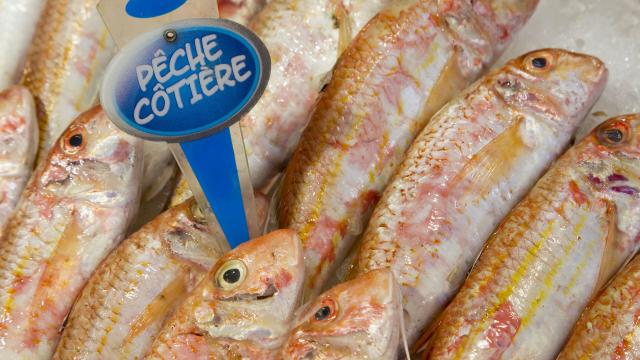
<point>159,307</point>
<point>494,161</point>
<point>610,262</point>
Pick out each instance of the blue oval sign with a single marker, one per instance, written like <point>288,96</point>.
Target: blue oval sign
<point>145,9</point>
<point>186,80</point>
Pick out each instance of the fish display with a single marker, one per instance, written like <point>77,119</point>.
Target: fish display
<point>609,327</point>
<point>18,21</point>
<point>65,65</point>
<point>474,161</point>
<point>401,68</point>
<point>137,287</point>
<point>298,72</point>
<point>244,307</point>
<point>74,210</point>
<point>358,319</point>
<point>18,146</point>
<point>552,254</point>
<point>240,11</point>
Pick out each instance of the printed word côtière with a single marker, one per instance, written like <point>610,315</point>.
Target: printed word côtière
<point>186,77</point>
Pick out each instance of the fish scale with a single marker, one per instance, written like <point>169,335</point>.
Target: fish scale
<point>470,165</point>
<point>608,328</point>
<point>139,285</point>
<point>550,256</point>
<point>401,68</point>
<point>272,129</point>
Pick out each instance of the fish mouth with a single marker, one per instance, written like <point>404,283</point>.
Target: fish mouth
<point>268,293</point>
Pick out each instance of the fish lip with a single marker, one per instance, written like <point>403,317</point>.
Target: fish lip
<point>268,293</point>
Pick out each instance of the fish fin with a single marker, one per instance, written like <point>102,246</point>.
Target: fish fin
<point>345,26</point>
<point>424,344</point>
<point>493,160</point>
<point>449,84</point>
<point>608,263</point>
<point>158,308</point>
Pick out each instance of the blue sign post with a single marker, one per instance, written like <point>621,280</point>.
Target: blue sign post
<point>189,83</point>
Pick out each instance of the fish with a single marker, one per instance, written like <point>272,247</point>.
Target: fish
<point>17,27</point>
<point>243,308</point>
<point>608,328</point>
<point>552,254</point>
<point>304,39</point>
<point>74,210</point>
<point>406,63</point>
<point>358,319</point>
<point>128,297</point>
<point>65,65</point>
<point>240,11</point>
<point>473,162</point>
<point>18,146</point>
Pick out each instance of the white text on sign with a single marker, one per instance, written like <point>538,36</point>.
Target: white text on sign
<point>205,81</point>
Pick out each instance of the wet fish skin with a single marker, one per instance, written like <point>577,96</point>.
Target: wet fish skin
<point>73,212</point>
<point>363,321</point>
<point>123,305</point>
<point>299,71</point>
<point>468,167</point>
<point>64,67</point>
<point>248,318</point>
<point>18,146</point>
<point>552,254</point>
<point>401,68</point>
<point>18,21</point>
<point>608,328</point>
<point>240,11</point>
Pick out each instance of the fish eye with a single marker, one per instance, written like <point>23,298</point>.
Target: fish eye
<point>539,62</point>
<point>231,274</point>
<point>327,311</point>
<point>613,134</point>
<point>74,142</point>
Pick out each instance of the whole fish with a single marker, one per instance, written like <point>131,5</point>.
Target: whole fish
<point>73,212</point>
<point>609,329</point>
<point>552,253</point>
<point>358,319</point>
<point>64,68</point>
<point>407,62</point>
<point>304,39</point>
<point>240,11</point>
<point>18,146</point>
<point>124,304</point>
<point>474,161</point>
<point>243,308</point>
<point>18,21</point>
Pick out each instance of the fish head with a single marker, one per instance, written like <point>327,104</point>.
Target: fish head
<point>554,83</point>
<point>610,162</point>
<point>95,161</point>
<point>191,238</point>
<point>358,319</point>
<point>251,293</point>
